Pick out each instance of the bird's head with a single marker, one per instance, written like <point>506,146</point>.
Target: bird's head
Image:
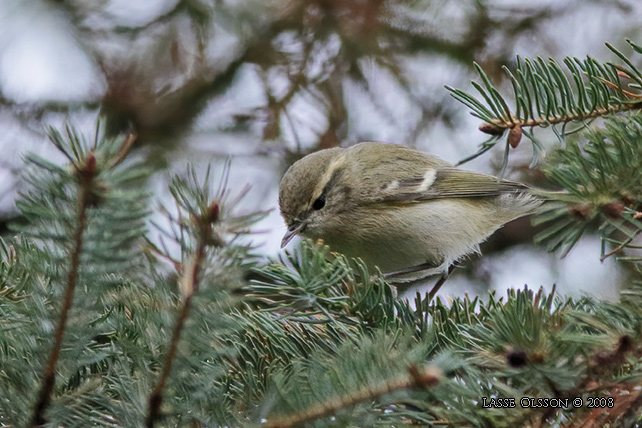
<point>311,191</point>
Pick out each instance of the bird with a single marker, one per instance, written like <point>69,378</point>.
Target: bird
<point>396,208</point>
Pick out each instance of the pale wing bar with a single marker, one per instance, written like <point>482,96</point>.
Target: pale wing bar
<point>451,182</point>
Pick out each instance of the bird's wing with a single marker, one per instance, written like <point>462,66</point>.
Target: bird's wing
<point>410,176</point>
<point>447,182</point>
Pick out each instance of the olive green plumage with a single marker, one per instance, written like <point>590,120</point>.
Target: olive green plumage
<point>396,207</point>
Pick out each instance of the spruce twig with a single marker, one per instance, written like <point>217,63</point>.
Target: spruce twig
<point>544,96</point>
<point>603,187</point>
<point>86,175</point>
<point>189,284</point>
<point>428,377</point>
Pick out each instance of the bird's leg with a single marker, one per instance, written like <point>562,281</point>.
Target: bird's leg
<point>440,282</point>
<point>411,269</point>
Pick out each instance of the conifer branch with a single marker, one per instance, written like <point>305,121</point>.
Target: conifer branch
<point>602,184</point>
<point>428,377</point>
<point>499,125</point>
<point>85,174</point>
<point>189,282</point>
<point>626,399</point>
<point>624,395</point>
<point>544,96</point>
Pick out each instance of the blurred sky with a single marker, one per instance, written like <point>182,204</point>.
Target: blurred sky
<point>55,55</point>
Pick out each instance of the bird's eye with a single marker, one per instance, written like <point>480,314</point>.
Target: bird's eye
<point>319,203</point>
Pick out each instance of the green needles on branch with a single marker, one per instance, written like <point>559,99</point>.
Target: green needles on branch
<point>545,95</point>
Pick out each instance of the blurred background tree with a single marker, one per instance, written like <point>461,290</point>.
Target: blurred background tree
<point>270,81</point>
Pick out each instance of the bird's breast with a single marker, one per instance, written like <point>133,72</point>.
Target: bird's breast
<point>397,237</point>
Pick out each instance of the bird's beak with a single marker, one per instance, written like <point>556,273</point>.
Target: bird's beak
<point>293,230</point>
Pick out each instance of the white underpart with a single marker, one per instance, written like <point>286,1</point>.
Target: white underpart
<point>429,178</point>
<point>393,185</point>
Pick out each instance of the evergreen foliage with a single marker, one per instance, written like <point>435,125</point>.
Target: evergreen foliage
<point>188,329</point>
<point>545,96</point>
<point>604,185</point>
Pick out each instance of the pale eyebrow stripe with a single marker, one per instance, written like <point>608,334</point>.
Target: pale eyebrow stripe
<point>332,172</point>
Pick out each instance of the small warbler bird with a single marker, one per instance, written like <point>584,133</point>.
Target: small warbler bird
<point>395,207</point>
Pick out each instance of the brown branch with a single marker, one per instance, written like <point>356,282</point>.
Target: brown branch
<point>430,376</point>
<point>499,125</point>
<point>625,395</point>
<point>625,400</point>
<point>189,285</point>
<point>85,174</point>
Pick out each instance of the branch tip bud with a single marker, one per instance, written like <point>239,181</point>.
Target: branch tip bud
<point>515,136</point>
<point>492,128</point>
<point>613,209</point>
